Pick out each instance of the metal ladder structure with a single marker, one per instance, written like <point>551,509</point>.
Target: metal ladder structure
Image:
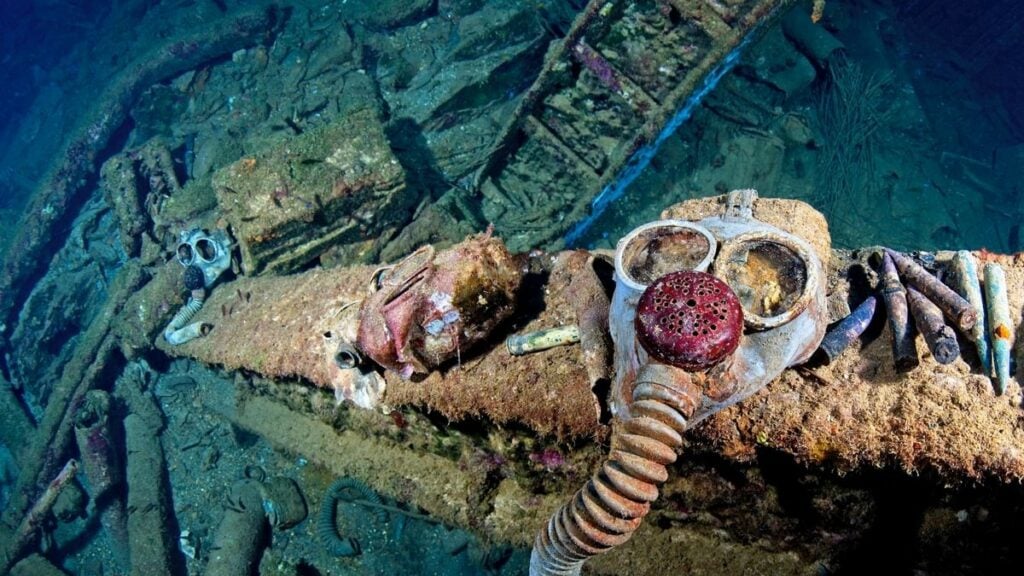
<point>626,74</point>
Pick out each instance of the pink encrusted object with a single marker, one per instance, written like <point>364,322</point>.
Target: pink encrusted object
<point>598,66</point>
<point>690,320</point>
<point>433,306</point>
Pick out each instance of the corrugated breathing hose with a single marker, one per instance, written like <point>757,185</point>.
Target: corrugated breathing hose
<point>609,508</point>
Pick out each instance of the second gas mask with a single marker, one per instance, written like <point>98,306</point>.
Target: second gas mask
<point>211,253</point>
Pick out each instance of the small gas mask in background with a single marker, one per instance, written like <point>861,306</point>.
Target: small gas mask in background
<point>205,257</point>
<point>211,253</point>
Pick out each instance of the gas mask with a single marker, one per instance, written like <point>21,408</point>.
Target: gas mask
<point>211,253</point>
<point>719,308</point>
<point>777,277</point>
<point>205,257</point>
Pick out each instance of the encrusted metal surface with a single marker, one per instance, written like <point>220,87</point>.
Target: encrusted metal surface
<point>338,186</point>
<point>610,88</point>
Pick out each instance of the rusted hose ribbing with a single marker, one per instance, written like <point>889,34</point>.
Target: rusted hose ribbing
<point>606,512</point>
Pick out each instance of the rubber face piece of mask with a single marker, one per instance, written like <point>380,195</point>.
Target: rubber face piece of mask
<point>211,253</point>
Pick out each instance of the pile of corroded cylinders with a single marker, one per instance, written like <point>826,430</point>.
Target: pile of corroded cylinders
<point>978,309</point>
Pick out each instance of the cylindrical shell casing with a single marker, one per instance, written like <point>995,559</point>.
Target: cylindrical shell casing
<point>904,346</point>
<point>965,280</point>
<point>940,338</point>
<point>1000,326</point>
<point>519,344</point>
<point>952,304</point>
<point>848,329</point>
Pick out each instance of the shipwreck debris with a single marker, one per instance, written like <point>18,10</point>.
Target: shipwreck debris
<point>336,192</point>
<point>623,77</point>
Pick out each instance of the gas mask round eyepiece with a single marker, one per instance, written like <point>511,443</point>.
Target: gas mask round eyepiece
<point>771,275</point>
<point>657,248</point>
<point>186,255</point>
<point>200,250</point>
<point>206,250</point>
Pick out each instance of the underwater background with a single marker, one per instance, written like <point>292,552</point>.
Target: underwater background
<point>125,123</point>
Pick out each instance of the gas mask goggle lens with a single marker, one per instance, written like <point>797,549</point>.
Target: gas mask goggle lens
<point>768,272</point>
<point>199,250</point>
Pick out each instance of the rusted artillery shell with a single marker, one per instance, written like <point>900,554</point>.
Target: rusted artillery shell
<point>904,347</point>
<point>1000,326</point>
<point>952,304</point>
<point>965,281</point>
<point>848,329</point>
<point>940,338</point>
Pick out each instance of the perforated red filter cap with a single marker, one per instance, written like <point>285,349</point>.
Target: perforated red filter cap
<point>690,320</point>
